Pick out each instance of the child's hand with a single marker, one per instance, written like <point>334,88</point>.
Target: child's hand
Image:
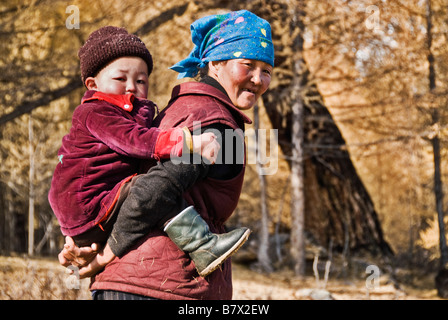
<point>206,145</point>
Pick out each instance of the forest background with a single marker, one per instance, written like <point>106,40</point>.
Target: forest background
<point>368,79</point>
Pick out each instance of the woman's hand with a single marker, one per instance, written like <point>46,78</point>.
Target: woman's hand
<point>98,263</point>
<point>76,256</point>
<point>89,260</point>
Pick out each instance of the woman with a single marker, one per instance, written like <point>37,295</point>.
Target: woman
<point>234,57</point>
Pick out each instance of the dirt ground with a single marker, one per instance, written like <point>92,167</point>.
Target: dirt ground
<point>250,285</point>
<point>44,279</point>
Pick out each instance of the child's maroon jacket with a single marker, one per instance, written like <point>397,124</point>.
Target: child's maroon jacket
<point>109,137</point>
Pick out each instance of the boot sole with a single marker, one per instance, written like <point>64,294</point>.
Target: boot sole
<point>215,264</point>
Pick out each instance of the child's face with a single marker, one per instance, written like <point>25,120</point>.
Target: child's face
<point>121,76</point>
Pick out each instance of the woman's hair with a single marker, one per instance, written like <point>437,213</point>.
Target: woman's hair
<point>203,72</point>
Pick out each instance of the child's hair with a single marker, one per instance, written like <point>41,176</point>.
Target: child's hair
<point>107,44</point>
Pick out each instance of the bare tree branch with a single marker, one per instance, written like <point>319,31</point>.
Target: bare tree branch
<point>160,19</point>
<point>47,97</point>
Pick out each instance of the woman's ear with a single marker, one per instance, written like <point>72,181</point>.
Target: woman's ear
<point>213,68</point>
<point>91,83</point>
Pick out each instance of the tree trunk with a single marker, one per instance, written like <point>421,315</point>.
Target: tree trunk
<point>31,191</point>
<point>10,218</point>
<point>263,250</point>
<point>297,139</point>
<point>438,191</point>
<point>442,276</point>
<point>298,194</point>
<point>435,141</point>
<point>3,242</point>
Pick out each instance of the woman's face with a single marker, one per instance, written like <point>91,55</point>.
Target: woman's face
<point>244,80</point>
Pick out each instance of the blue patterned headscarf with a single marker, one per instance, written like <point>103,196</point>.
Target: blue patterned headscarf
<point>235,35</point>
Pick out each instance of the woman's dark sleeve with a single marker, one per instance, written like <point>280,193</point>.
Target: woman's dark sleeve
<point>231,155</point>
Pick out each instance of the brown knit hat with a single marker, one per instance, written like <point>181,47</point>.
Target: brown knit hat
<point>107,44</point>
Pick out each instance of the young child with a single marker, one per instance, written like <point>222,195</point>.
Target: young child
<point>110,138</point>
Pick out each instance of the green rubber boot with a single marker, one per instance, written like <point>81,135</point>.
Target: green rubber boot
<point>207,250</point>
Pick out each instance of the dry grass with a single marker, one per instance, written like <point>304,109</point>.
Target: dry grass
<point>38,279</point>
<point>45,279</point>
